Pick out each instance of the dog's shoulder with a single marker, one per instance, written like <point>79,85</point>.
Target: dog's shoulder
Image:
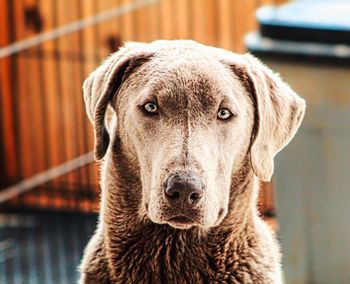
<point>94,266</point>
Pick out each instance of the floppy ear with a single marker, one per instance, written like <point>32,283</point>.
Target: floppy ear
<point>103,84</point>
<point>279,114</point>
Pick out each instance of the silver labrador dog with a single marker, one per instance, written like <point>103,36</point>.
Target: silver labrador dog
<point>184,133</point>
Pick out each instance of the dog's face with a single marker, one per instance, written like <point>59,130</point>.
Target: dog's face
<point>188,116</point>
<point>189,127</point>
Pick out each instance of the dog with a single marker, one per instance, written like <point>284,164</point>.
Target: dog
<point>184,133</point>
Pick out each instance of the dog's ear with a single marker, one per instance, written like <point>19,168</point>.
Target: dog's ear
<point>278,112</point>
<point>103,84</point>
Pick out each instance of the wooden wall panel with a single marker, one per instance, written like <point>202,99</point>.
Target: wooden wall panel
<point>43,116</point>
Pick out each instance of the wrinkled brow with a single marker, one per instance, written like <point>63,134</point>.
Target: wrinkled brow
<point>199,94</point>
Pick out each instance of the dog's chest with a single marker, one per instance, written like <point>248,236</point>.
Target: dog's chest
<point>172,260</point>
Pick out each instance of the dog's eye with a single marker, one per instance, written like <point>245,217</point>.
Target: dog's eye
<point>224,113</point>
<point>151,107</point>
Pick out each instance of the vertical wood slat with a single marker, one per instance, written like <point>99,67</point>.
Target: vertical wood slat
<point>20,94</point>
<point>166,19</point>
<point>77,125</point>
<point>127,24</point>
<point>237,23</point>
<point>183,19</point>
<point>67,61</point>
<point>212,15</point>
<point>141,27</point>
<point>36,98</point>
<point>8,153</point>
<point>204,24</point>
<point>90,51</point>
<point>51,86</point>
<point>82,120</point>
<point>61,48</point>
<point>66,80</point>
<point>225,24</point>
<point>152,22</point>
<point>22,100</point>
<point>108,30</point>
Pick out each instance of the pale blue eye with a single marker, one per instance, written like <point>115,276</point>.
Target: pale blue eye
<point>151,107</point>
<point>224,113</point>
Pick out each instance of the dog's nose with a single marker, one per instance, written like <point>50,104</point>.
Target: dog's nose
<point>183,190</point>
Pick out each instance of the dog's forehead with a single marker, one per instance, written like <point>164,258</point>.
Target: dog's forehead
<point>185,75</point>
<point>184,84</point>
<point>190,79</point>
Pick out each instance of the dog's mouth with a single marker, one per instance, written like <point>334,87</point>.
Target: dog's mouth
<point>175,217</point>
<point>182,222</point>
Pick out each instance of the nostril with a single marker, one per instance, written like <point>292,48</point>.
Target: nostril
<point>194,197</point>
<point>174,195</point>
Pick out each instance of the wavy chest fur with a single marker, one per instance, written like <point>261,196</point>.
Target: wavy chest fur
<point>159,254</point>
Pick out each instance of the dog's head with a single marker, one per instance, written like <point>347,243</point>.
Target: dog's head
<point>188,116</point>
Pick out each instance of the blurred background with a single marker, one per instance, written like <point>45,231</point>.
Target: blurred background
<point>48,181</point>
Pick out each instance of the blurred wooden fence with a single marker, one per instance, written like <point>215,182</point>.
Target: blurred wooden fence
<point>43,121</point>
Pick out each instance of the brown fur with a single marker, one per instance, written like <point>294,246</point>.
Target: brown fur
<point>136,240</point>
